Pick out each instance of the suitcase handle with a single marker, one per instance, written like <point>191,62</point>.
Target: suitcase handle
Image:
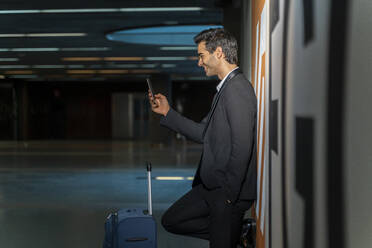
<point>149,193</point>
<point>136,239</point>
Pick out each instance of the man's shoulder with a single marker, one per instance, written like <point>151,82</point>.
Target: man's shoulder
<point>239,84</point>
<point>241,78</point>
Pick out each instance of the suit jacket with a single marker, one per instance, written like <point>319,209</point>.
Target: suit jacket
<point>228,135</point>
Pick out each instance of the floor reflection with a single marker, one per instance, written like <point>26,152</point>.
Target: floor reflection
<point>59,194</point>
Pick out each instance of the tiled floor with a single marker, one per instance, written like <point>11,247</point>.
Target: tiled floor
<point>58,194</point>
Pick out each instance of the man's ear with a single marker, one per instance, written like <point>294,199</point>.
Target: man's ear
<point>219,53</point>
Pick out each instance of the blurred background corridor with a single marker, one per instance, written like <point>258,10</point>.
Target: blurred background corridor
<point>76,129</point>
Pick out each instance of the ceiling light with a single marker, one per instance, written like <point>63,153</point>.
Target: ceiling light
<point>76,49</point>
<point>23,76</point>
<point>123,58</point>
<point>46,49</point>
<point>105,59</point>
<point>97,71</point>
<point>170,178</point>
<point>193,58</point>
<point>43,35</point>
<point>161,9</point>
<point>165,58</point>
<point>168,65</point>
<point>55,11</point>
<point>11,35</point>
<point>113,71</point>
<point>48,66</point>
<point>82,59</point>
<point>57,35</point>
<point>8,59</point>
<point>75,66</point>
<point>94,66</point>
<point>178,35</point>
<point>41,66</point>
<point>54,49</point>
<point>110,71</point>
<point>174,48</point>
<point>148,65</point>
<point>21,11</point>
<point>81,71</point>
<point>102,10</point>
<point>14,66</point>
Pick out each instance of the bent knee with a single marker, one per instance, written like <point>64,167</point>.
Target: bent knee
<point>166,221</point>
<point>169,223</point>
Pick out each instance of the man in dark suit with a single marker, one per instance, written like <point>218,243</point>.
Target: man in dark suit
<point>224,186</point>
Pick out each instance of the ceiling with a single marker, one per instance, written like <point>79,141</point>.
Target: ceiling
<point>81,50</point>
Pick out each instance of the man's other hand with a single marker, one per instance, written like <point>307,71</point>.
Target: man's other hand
<point>159,104</point>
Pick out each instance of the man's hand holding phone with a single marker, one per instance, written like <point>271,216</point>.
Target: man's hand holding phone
<point>159,103</point>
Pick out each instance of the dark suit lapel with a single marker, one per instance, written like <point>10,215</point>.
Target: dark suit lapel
<point>217,97</point>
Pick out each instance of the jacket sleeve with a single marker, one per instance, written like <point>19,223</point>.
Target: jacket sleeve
<point>180,124</point>
<point>241,114</point>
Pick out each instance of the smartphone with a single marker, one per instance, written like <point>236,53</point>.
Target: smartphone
<point>150,88</point>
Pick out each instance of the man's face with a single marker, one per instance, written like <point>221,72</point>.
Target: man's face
<point>207,60</point>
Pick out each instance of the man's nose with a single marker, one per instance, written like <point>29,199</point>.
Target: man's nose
<point>200,63</point>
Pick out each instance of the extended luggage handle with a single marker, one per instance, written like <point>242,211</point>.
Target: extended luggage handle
<point>149,193</point>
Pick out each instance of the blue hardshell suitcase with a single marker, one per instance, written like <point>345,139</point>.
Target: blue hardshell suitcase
<point>132,228</point>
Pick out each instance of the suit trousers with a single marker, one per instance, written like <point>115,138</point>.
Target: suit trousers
<point>207,214</point>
